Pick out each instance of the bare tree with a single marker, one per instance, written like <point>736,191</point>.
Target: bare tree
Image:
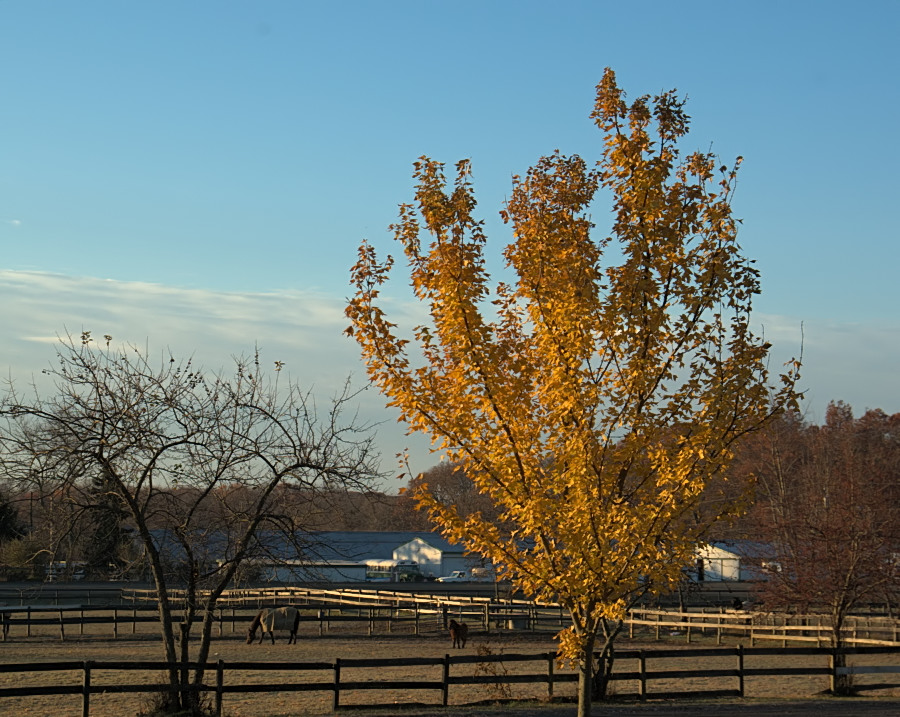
<point>827,507</point>
<point>200,463</point>
<point>452,487</point>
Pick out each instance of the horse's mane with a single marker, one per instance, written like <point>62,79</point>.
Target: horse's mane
<point>257,621</point>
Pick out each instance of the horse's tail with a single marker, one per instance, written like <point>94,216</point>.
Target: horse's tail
<point>296,621</point>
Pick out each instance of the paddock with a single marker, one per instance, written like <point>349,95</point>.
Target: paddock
<point>231,649</point>
<point>352,625</point>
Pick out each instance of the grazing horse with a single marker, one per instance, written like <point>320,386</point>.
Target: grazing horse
<point>459,633</point>
<point>271,619</point>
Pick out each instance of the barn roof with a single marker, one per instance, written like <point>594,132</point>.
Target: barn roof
<point>328,546</point>
<point>371,544</point>
<point>744,548</point>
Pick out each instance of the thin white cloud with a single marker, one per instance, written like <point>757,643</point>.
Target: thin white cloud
<point>851,362</point>
<point>210,325</point>
<point>14,222</point>
<point>855,363</point>
<point>304,330</point>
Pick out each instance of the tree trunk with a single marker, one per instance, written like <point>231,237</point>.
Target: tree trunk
<point>585,675</point>
<point>189,701</point>
<point>167,628</point>
<point>843,684</point>
<point>205,640</point>
<point>602,670</point>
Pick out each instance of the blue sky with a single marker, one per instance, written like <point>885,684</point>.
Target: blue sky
<point>197,175</point>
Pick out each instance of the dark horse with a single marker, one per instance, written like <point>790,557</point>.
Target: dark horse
<point>271,619</point>
<point>459,633</point>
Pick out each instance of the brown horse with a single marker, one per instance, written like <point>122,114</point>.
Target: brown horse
<point>459,633</point>
<point>271,619</point>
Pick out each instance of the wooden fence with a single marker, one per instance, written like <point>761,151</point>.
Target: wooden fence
<point>511,613</point>
<point>858,630</point>
<point>67,621</point>
<point>371,610</point>
<point>336,678</point>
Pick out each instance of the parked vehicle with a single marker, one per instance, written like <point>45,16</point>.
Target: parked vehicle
<point>394,571</point>
<point>64,571</point>
<point>475,575</point>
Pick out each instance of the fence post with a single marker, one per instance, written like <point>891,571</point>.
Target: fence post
<point>115,623</point>
<point>62,627</point>
<point>642,669</point>
<point>220,684</point>
<point>86,690</point>
<point>336,702</point>
<point>550,660</point>
<point>740,661</point>
<point>657,626</point>
<point>832,667</point>
<point>416,616</point>
<point>445,682</point>
<point>28,621</point>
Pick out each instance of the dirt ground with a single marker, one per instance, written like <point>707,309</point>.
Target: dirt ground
<point>775,695</point>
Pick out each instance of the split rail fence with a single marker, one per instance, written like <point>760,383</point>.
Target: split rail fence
<point>336,678</point>
<point>372,610</point>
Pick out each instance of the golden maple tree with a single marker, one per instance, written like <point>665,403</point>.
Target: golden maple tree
<point>597,397</point>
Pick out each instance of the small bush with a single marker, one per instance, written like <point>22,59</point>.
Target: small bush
<point>500,687</point>
<point>163,703</point>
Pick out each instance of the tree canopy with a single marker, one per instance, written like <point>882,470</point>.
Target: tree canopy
<point>594,397</point>
<point>196,462</point>
<point>826,509</point>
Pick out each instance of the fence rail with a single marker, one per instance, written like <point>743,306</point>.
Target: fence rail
<point>417,612</point>
<point>763,626</point>
<point>336,677</point>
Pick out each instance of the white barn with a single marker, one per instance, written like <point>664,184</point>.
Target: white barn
<point>737,560</point>
<point>434,555</point>
<point>342,556</point>
<point>714,563</point>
